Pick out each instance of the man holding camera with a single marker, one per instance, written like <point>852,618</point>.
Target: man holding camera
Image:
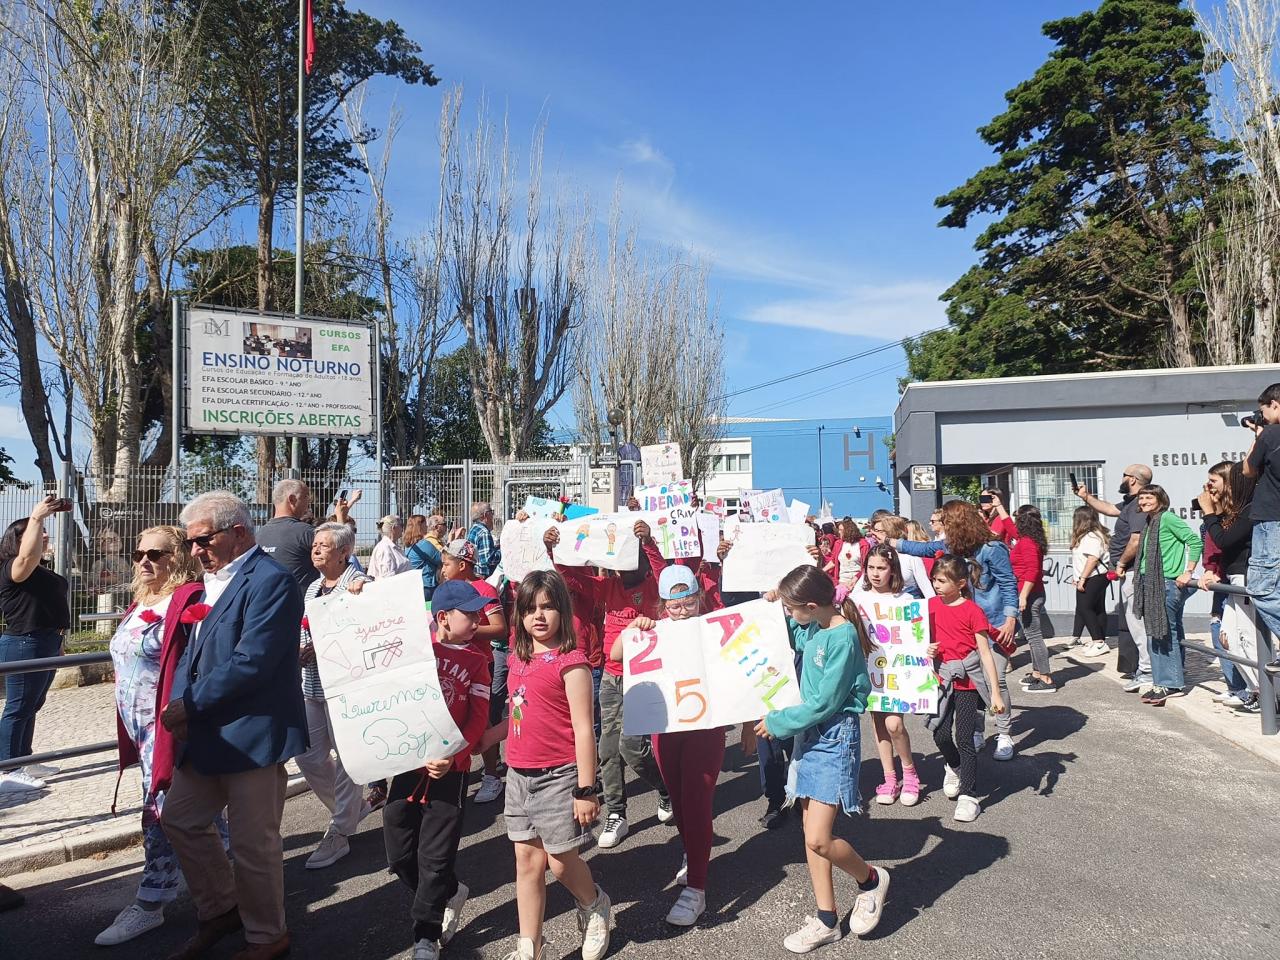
<point>1134,656</point>
<point>1263,462</point>
<point>991,504</point>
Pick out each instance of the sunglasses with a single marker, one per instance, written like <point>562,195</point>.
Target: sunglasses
<point>204,540</point>
<point>152,555</point>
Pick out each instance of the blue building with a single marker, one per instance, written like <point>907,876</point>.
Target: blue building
<point>844,461</point>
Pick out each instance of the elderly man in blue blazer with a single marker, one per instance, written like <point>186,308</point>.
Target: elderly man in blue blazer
<point>237,710</point>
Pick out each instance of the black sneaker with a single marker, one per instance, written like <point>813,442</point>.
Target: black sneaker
<point>1250,705</point>
<point>1039,686</point>
<point>1156,696</point>
<point>773,818</point>
<point>665,813</point>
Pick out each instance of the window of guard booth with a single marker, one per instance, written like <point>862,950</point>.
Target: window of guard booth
<point>1048,486</point>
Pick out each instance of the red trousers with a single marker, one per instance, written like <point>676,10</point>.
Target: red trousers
<point>689,762</point>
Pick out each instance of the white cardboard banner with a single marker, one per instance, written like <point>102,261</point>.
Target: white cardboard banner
<point>764,553</point>
<point>797,510</point>
<point>709,527</point>
<point>605,540</point>
<point>660,463</point>
<point>522,548</point>
<point>723,668</point>
<point>542,506</point>
<point>902,675</point>
<point>380,682</point>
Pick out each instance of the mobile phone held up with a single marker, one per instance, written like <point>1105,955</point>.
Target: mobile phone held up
<point>1075,484</point>
<point>61,505</point>
<point>985,498</point>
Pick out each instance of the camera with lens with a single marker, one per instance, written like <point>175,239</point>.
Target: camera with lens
<point>1253,421</point>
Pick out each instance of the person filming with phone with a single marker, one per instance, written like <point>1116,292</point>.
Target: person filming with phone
<point>33,601</point>
<point>991,504</point>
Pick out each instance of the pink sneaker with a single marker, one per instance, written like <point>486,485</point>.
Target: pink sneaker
<point>887,792</point>
<point>910,787</point>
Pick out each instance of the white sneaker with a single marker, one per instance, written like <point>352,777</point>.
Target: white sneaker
<point>967,810</point>
<point>1139,681</point>
<point>426,950</point>
<point>687,908</point>
<point>1098,649</point>
<point>812,935</point>
<point>453,912</point>
<point>615,828</point>
<point>869,905</point>
<point>40,770</point>
<point>132,921</point>
<point>16,781</point>
<point>333,847</point>
<point>951,783</point>
<point>1004,747</point>
<point>665,812</point>
<point>1232,700</point>
<point>594,923</point>
<point>490,789</point>
<point>682,875</point>
<point>524,950</point>
<point>978,741</point>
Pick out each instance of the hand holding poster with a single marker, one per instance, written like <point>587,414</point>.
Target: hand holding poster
<point>660,463</point>
<point>902,676</point>
<point>604,540</point>
<point>719,669</point>
<point>664,496</point>
<point>522,548</point>
<point>764,553</point>
<point>380,682</point>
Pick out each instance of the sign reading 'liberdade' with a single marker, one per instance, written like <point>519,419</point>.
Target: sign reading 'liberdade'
<point>252,374</point>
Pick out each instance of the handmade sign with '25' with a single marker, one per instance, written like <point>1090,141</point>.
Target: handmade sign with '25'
<point>711,671</point>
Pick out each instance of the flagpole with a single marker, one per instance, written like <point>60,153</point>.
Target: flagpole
<point>299,230</point>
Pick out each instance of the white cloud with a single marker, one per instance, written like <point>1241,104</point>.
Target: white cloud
<point>641,152</point>
<point>887,312</point>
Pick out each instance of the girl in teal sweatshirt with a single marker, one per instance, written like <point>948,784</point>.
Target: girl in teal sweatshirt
<point>834,684</point>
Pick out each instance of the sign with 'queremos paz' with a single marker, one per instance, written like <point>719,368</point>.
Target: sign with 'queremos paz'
<point>253,374</point>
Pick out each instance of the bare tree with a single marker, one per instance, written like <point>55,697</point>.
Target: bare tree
<point>1237,257</point>
<point>520,292</point>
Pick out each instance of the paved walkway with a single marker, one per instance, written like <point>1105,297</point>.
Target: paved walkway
<point>1116,832</point>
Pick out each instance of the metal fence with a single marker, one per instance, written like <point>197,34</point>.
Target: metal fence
<point>91,544</point>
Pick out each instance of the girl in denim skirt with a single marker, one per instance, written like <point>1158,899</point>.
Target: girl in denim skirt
<point>824,771</point>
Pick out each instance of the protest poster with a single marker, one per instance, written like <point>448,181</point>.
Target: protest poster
<point>522,548</point>
<point>664,496</point>
<point>765,506</point>
<point>717,506</point>
<point>902,675</point>
<point>675,531</point>
<point>764,553</point>
<point>606,540</point>
<point>716,670</point>
<point>660,463</point>
<point>709,528</point>
<point>797,510</point>
<point>542,506</point>
<point>576,511</point>
<point>380,681</point>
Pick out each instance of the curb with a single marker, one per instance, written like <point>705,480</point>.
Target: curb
<point>116,834</point>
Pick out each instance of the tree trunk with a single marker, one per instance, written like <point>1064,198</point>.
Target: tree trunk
<point>162,338</point>
<point>266,446</point>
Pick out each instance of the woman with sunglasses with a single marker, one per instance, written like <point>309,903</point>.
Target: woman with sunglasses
<point>145,650</point>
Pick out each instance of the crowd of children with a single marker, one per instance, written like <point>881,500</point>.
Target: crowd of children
<point>564,773</point>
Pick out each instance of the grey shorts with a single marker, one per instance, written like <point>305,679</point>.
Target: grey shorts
<point>541,808</point>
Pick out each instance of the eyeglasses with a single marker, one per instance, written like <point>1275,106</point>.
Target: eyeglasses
<point>152,555</point>
<point>683,606</point>
<point>204,540</point>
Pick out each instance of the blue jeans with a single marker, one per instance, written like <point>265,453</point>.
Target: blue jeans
<point>1167,653</point>
<point>24,692</point>
<point>1264,574</point>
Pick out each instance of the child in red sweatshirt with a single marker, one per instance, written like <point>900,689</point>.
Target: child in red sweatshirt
<point>422,821</point>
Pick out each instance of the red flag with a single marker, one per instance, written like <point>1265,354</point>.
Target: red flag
<point>311,39</point>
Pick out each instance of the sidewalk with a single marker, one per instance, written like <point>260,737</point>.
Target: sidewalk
<point>71,819</point>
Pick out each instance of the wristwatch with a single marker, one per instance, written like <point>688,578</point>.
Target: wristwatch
<point>584,793</point>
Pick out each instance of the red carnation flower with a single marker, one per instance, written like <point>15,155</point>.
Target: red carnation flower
<point>939,554</point>
<point>149,617</point>
<point>306,624</point>
<point>195,613</point>
<point>1112,575</point>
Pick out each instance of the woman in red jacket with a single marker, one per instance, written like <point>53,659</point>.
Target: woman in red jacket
<point>1027,559</point>
<point>145,651</point>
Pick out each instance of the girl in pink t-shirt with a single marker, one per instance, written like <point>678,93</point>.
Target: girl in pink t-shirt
<point>551,764</point>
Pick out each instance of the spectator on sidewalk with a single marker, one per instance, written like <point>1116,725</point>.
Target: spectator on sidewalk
<point>425,549</point>
<point>286,537</point>
<point>1225,505</point>
<point>323,770</point>
<point>1134,658</point>
<point>237,707</point>
<point>387,558</point>
<point>1089,566</point>
<point>1026,556</point>
<point>33,601</point>
<point>145,649</point>
<point>481,536</point>
<point>1263,463</point>
<point>1167,557</point>
<point>991,503</point>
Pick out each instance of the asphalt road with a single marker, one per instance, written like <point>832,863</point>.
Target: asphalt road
<point>1117,831</point>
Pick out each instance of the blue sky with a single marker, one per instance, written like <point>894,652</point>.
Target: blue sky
<point>797,147</point>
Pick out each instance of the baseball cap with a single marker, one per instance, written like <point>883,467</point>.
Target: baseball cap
<point>457,595</point>
<point>461,550</point>
<point>677,582</point>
